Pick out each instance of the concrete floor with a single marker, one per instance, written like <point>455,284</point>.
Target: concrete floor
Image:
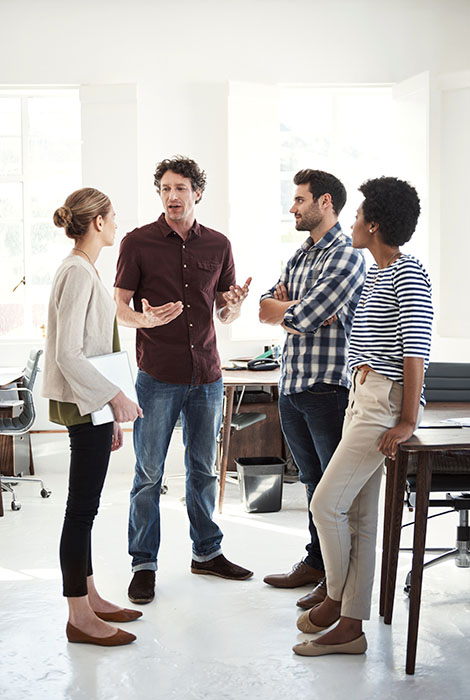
<point>203,637</point>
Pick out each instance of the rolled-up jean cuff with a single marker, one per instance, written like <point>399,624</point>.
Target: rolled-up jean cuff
<point>207,557</point>
<point>148,566</point>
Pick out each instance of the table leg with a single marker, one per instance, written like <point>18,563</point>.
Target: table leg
<point>386,533</point>
<point>226,428</point>
<point>423,487</point>
<point>399,468</point>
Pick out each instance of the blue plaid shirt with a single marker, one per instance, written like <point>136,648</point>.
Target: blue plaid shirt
<point>328,277</point>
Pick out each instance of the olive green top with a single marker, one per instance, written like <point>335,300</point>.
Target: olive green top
<point>65,413</point>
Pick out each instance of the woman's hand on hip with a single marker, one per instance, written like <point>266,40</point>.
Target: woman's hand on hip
<point>125,409</point>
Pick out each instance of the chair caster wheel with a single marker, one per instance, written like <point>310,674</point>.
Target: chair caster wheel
<point>15,505</point>
<point>164,490</point>
<point>407,590</point>
<point>45,493</point>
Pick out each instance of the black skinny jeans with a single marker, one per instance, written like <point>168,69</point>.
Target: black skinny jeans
<point>90,447</point>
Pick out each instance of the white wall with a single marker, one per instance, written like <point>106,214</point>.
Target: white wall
<point>181,56</point>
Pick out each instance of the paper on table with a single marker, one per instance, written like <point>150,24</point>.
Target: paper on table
<point>464,422</point>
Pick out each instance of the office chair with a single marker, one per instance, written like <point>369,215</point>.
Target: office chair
<point>21,424</point>
<point>446,381</point>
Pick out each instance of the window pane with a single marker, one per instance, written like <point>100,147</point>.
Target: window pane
<point>49,193</point>
<point>55,117</point>
<point>10,155</point>
<point>49,245</point>
<point>11,255</point>
<point>11,200</point>
<point>10,116</point>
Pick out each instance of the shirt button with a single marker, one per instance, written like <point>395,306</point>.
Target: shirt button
<point>192,346</point>
<point>183,246</point>
<point>188,306</point>
<point>190,325</point>
<point>185,265</point>
<point>186,285</point>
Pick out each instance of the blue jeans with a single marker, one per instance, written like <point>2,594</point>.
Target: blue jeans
<point>312,422</point>
<point>200,406</point>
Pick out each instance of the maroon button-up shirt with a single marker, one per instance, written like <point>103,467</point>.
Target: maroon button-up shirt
<point>157,265</point>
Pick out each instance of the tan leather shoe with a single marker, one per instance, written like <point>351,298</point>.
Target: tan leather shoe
<point>316,596</point>
<point>301,574</point>
<point>311,648</point>
<point>304,623</point>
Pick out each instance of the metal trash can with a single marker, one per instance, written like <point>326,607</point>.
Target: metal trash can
<point>260,480</point>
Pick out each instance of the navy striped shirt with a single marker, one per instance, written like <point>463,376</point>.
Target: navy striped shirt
<point>393,319</point>
<point>327,276</point>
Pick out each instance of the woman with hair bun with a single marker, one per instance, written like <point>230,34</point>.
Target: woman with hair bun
<point>81,324</point>
<point>389,352</point>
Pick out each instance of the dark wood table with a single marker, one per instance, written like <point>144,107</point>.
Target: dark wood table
<point>232,380</point>
<point>424,443</point>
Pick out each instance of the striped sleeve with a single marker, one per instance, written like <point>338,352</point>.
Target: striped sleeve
<point>413,289</point>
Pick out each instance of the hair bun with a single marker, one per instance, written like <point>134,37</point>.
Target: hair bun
<point>63,216</point>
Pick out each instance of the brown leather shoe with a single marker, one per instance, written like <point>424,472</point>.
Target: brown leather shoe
<point>123,615</point>
<point>142,587</point>
<point>301,575</point>
<point>119,638</point>
<point>222,567</point>
<point>316,596</point>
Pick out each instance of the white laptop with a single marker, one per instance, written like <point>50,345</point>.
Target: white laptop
<point>116,368</point>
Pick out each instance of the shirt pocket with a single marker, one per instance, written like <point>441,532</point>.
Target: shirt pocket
<point>208,272</point>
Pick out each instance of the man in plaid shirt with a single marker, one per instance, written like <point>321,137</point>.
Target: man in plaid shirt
<point>314,301</point>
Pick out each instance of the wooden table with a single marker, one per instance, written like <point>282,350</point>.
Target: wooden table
<point>423,443</point>
<point>232,380</point>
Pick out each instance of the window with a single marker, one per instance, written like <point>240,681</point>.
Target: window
<point>40,164</point>
<point>345,131</point>
<point>275,131</point>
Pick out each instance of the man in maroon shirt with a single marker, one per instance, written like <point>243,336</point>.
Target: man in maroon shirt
<point>174,270</point>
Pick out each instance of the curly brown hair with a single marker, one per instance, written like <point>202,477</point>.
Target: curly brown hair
<point>181,165</point>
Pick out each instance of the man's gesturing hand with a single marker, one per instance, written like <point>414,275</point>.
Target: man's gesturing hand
<point>236,295</point>
<point>160,315</point>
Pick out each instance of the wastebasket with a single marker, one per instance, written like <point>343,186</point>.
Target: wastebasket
<point>260,480</point>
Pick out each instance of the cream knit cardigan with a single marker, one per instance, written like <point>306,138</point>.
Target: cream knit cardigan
<point>80,324</point>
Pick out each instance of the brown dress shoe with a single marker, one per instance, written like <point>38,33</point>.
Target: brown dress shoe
<point>301,575</point>
<point>316,596</point>
<point>222,567</point>
<point>118,639</point>
<point>123,615</point>
<point>142,587</point>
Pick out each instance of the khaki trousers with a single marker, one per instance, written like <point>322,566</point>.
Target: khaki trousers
<point>345,503</point>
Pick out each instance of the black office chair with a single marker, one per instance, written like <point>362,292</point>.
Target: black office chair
<point>447,381</point>
<point>22,423</point>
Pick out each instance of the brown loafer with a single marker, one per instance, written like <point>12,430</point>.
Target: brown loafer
<point>316,596</point>
<point>301,575</point>
<point>142,587</point>
<point>123,615</point>
<point>222,567</point>
<point>119,638</point>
